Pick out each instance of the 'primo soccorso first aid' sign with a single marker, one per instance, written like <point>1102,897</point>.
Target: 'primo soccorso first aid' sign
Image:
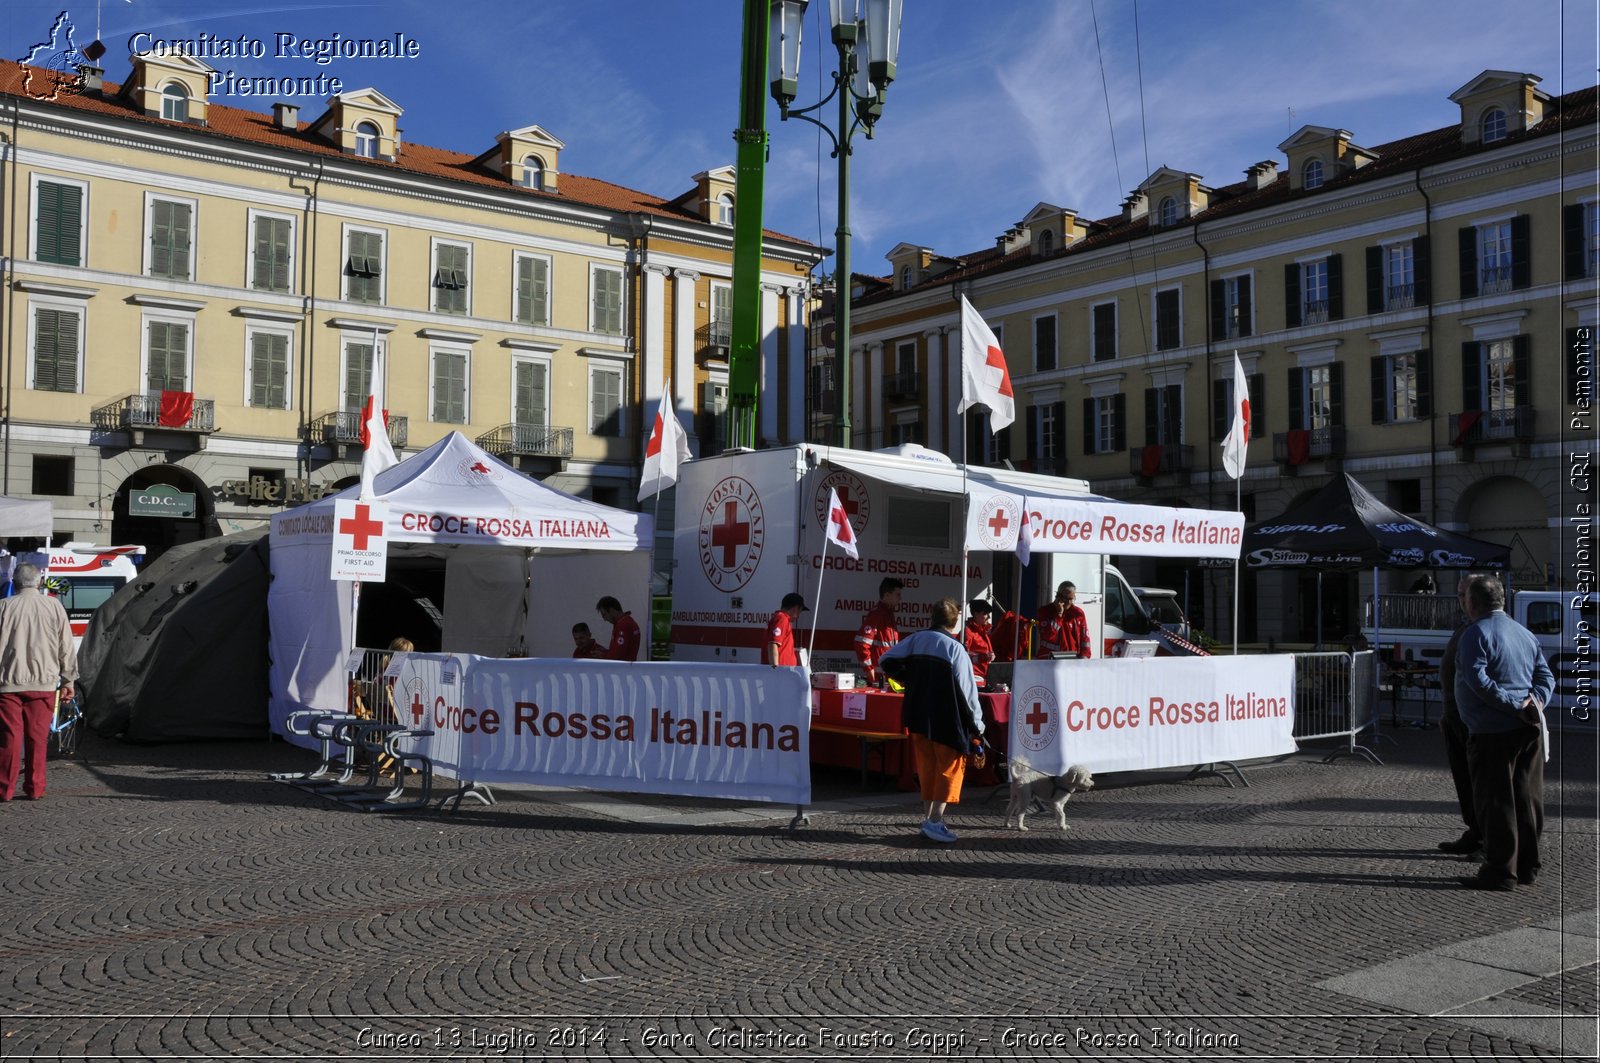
<point>360,547</point>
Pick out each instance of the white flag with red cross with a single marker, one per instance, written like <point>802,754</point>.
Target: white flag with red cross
<point>667,448</point>
<point>984,377</point>
<point>1238,441</point>
<point>840,533</point>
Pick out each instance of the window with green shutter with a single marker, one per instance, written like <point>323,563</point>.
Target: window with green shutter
<point>605,402</point>
<point>272,251</point>
<point>363,267</point>
<point>529,399</point>
<point>55,349</point>
<point>449,387</point>
<point>171,228</point>
<point>357,375</point>
<point>168,357</point>
<point>269,370</point>
<point>607,300</point>
<point>533,290</point>
<point>58,237</point>
<point>450,279</point>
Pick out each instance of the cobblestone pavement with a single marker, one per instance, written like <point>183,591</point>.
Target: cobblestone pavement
<point>172,902</point>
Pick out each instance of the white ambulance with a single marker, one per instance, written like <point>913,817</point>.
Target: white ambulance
<point>84,575</point>
<point>749,529</point>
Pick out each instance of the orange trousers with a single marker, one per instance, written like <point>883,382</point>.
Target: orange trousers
<point>940,770</point>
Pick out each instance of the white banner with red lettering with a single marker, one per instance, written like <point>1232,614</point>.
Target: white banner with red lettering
<point>733,731</point>
<point>1062,524</point>
<point>1160,712</point>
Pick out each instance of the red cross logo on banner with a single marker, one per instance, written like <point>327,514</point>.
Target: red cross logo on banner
<point>999,523</point>
<point>1041,720</point>
<point>362,527</point>
<point>418,709</point>
<point>1036,717</point>
<point>731,534</point>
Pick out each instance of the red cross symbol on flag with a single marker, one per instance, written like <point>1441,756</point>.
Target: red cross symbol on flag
<point>839,531</point>
<point>360,547</point>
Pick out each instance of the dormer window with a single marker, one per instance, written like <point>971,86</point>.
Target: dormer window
<point>1047,242</point>
<point>367,140</point>
<point>905,277</point>
<point>724,209</point>
<point>1168,214</point>
<point>1311,174</point>
<point>175,103</point>
<point>1492,127</point>
<point>533,173</point>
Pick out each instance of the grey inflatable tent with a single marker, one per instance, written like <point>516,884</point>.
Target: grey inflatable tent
<point>180,652</point>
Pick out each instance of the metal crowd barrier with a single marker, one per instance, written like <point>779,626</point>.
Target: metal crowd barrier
<point>367,735</point>
<point>1335,697</point>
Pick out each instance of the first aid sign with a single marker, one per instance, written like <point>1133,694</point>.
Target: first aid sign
<point>360,546</point>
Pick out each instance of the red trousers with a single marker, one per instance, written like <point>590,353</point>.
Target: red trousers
<point>24,723</point>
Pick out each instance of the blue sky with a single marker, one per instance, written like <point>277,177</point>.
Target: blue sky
<point>998,105</point>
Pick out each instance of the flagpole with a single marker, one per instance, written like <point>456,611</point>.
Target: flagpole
<point>966,513</point>
<point>1238,504</point>
<point>822,566</point>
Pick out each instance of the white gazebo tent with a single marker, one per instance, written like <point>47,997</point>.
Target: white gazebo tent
<point>25,518</point>
<point>522,563</point>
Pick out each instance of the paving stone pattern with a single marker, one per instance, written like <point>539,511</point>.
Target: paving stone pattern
<point>171,902</point>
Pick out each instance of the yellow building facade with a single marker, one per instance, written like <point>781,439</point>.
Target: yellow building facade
<point>194,293</point>
<point>1417,313</point>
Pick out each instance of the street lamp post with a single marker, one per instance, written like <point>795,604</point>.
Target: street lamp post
<point>868,43</point>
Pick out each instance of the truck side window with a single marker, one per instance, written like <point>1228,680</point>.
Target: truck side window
<point>1544,618</point>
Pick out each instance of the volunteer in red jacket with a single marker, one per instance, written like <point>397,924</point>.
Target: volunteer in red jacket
<point>778,649</point>
<point>624,630</point>
<point>1063,627</point>
<point>977,639</point>
<point>878,632</point>
<point>585,645</point>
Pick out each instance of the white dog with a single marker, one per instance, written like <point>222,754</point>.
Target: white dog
<point>1052,790</point>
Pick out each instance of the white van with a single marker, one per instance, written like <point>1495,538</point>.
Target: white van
<point>84,575</point>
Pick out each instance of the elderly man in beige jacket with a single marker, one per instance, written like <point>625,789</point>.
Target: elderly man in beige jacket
<point>36,656</point>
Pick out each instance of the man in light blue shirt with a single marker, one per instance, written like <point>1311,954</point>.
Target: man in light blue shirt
<point>1502,685</point>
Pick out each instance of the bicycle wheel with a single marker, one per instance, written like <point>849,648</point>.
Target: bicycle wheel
<point>66,730</point>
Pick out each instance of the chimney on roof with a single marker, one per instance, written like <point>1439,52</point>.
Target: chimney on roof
<point>89,76</point>
<point>1261,174</point>
<point>286,116</point>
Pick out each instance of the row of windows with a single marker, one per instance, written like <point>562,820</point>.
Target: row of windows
<point>56,363</point>
<point>1495,257</point>
<point>59,236</point>
<point>1496,391</point>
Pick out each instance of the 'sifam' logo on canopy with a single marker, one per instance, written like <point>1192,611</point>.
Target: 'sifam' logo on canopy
<point>733,531</point>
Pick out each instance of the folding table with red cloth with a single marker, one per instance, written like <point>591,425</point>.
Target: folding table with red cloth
<point>843,716</point>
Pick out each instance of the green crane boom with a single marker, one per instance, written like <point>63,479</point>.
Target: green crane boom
<point>744,346</point>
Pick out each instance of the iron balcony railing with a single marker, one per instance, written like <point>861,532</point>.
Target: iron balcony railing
<point>715,335</point>
<point>343,427</point>
<point>528,440</point>
<point>1321,443</point>
<point>1494,279</point>
<point>144,411</point>
<point>1174,457</point>
<point>902,385</point>
<point>1400,297</point>
<point>1486,426</point>
<point>1314,311</point>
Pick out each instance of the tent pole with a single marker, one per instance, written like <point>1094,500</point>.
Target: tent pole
<point>1238,504</point>
<point>966,513</point>
<point>1377,654</point>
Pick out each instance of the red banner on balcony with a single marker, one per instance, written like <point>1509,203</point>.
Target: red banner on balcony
<point>176,409</point>
<point>1299,446</point>
<point>366,409</point>
<point>1150,461</point>
<point>1465,424</point>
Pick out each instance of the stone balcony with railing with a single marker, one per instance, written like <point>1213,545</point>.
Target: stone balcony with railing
<point>341,430</point>
<point>1161,459</point>
<point>1293,449</point>
<point>1473,427</point>
<point>178,417</point>
<point>539,449</point>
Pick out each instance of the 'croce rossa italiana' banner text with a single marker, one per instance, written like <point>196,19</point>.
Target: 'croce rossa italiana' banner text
<point>701,730</point>
<point>1160,712</point>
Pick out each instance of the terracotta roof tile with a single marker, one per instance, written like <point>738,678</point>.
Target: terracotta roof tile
<point>1574,110</point>
<point>257,128</point>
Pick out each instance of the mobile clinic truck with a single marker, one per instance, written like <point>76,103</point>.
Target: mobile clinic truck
<point>750,529</point>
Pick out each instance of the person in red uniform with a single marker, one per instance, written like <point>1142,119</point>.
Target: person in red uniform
<point>624,630</point>
<point>1010,635</point>
<point>878,631</point>
<point>778,649</point>
<point>584,645</point>
<point>977,639</point>
<point>1063,627</point>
